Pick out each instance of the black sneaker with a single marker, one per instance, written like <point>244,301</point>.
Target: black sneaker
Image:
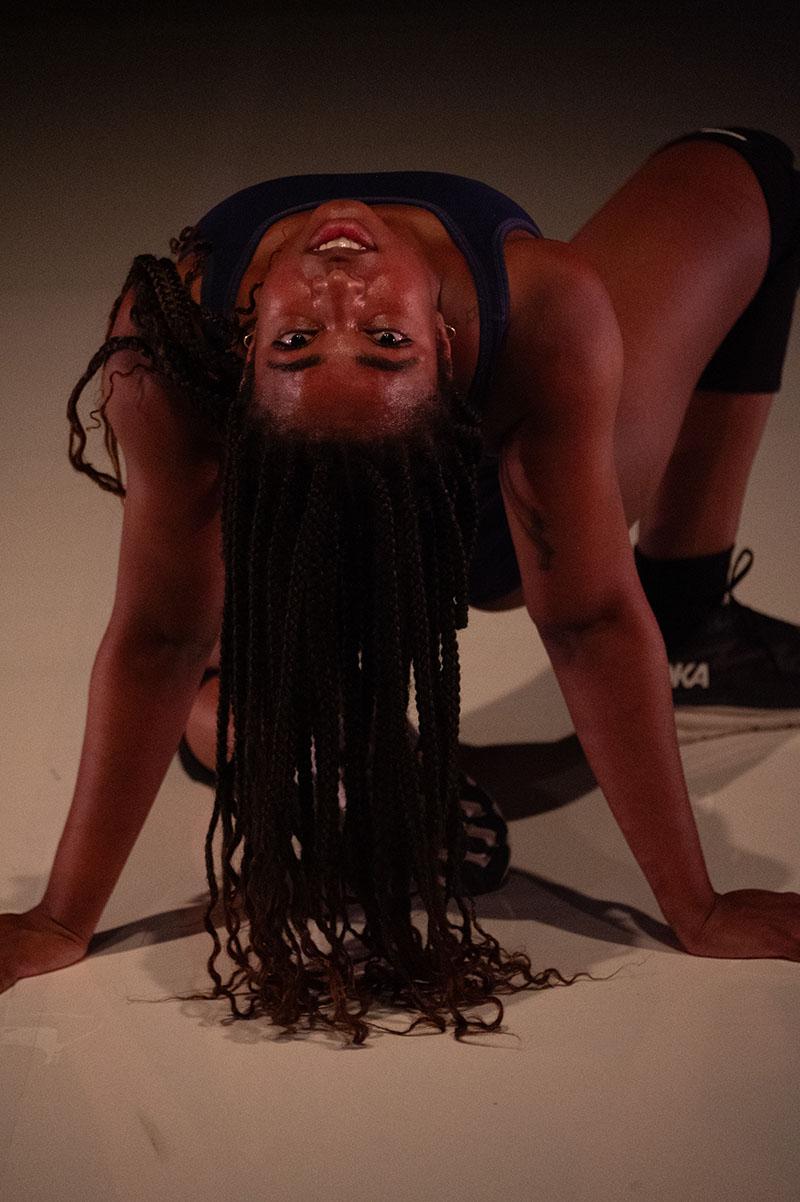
<point>192,766</point>
<point>488,859</point>
<point>738,670</point>
<point>488,856</point>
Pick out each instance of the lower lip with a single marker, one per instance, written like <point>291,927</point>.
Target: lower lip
<point>340,229</point>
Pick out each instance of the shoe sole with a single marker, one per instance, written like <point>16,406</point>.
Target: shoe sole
<point>695,722</point>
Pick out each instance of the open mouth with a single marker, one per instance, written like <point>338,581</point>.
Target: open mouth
<point>344,235</point>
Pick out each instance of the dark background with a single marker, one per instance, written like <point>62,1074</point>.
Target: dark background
<point>124,123</point>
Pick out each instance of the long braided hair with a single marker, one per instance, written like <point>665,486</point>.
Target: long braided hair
<point>346,568</point>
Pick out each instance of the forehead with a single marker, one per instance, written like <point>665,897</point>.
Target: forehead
<point>341,376</point>
<point>339,398</point>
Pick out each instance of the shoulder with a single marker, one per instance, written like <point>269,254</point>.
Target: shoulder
<point>549,281</point>
<point>561,362</point>
<point>157,427</point>
<point>561,315</point>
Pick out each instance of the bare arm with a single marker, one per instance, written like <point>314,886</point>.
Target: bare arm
<point>560,489</point>
<point>165,618</point>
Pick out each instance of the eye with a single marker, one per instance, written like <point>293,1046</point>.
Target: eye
<point>279,344</point>
<point>400,339</point>
<point>397,339</point>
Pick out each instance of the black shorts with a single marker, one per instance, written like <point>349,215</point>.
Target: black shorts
<point>750,358</point>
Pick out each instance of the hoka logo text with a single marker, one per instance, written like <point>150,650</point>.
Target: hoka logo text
<point>687,676</point>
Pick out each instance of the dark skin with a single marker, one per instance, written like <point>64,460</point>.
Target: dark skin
<point>592,410</point>
<point>369,317</point>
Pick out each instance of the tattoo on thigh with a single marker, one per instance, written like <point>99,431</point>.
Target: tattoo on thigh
<point>531,519</point>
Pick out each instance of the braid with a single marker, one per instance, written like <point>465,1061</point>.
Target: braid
<point>192,348</point>
<point>346,579</point>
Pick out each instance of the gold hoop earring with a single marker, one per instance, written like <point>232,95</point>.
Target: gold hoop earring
<point>248,339</point>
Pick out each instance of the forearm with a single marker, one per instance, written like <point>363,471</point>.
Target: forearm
<point>140,696</point>
<point>615,681</point>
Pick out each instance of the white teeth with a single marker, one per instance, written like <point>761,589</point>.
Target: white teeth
<point>344,243</point>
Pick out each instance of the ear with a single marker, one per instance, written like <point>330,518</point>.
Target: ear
<point>444,344</point>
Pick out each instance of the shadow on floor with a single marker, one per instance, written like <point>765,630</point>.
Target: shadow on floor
<point>525,896</point>
<point>526,779</point>
<point>532,778</point>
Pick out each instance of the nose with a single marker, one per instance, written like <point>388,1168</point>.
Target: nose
<point>337,281</point>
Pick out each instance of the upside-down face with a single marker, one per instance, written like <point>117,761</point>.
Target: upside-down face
<point>347,328</point>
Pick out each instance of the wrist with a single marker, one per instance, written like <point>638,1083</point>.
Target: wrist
<point>687,919</point>
<point>41,916</point>
<point>78,933</point>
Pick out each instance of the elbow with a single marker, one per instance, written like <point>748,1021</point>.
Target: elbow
<point>621,617</point>
<point>143,639</point>
<point>564,637</point>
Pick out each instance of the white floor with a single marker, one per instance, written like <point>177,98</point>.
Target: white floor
<point>674,1078</point>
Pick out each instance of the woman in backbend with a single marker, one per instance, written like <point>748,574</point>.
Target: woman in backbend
<point>352,407</point>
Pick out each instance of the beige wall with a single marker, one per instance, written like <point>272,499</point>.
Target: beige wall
<point>121,130</point>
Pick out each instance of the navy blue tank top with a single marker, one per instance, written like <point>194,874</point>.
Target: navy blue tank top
<point>476,217</point>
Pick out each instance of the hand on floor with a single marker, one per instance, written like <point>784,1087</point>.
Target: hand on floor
<point>748,924</point>
<point>33,943</point>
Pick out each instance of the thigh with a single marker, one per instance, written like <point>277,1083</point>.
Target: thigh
<point>682,248</point>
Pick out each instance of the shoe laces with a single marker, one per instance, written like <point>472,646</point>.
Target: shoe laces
<point>748,616</point>
<point>738,574</point>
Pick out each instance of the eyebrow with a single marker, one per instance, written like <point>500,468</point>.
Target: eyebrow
<point>381,362</point>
